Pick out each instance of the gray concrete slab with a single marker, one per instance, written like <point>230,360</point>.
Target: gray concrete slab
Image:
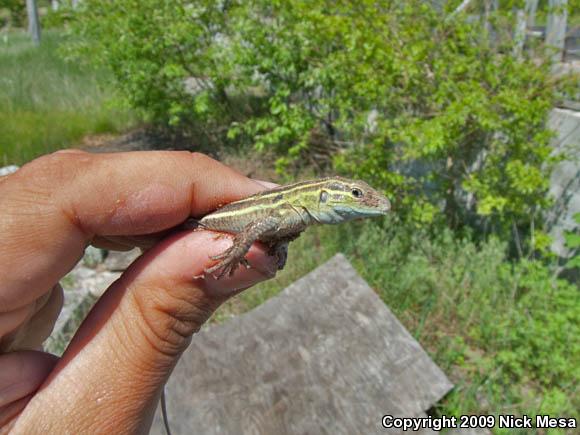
<point>565,179</point>
<point>324,356</point>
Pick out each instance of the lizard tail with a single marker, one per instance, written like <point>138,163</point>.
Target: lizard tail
<point>164,412</point>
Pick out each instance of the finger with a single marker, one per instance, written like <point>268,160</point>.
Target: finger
<point>111,245</point>
<point>52,208</point>
<point>131,340</point>
<point>21,373</point>
<point>130,242</point>
<point>37,320</point>
<point>37,328</point>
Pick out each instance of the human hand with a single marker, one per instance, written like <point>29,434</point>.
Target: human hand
<point>112,374</point>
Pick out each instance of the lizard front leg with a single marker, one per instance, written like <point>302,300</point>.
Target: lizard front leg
<point>279,249</point>
<point>235,254</point>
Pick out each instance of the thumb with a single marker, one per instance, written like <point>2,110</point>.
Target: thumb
<point>111,376</point>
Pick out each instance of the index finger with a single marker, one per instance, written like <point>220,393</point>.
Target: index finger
<point>53,206</point>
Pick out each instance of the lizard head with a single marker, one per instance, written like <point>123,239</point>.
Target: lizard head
<point>341,200</point>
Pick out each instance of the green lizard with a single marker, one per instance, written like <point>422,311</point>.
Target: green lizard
<point>278,216</point>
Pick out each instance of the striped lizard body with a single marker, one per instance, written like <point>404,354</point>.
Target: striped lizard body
<point>277,216</point>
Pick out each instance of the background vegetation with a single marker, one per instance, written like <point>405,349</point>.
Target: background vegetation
<point>443,112</point>
<point>434,110</point>
<point>504,332</point>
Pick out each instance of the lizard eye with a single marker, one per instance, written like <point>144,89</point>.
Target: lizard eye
<point>323,196</point>
<point>357,193</point>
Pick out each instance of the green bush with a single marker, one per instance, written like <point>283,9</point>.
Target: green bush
<point>152,48</point>
<point>505,331</point>
<point>517,312</point>
<point>424,106</point>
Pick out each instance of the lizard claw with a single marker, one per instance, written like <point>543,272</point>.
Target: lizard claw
<point>221,269</point>
<point>228,262</point>
<point>220,256</point>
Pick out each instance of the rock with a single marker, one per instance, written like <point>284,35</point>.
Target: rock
<point>120,260</point>
<point>324,356</point>
<point>82,287</point>
<point>6,170</point>
<point>99,282</point>
<point>93,257</point>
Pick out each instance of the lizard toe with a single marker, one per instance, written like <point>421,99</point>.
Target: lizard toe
<point>212,269</point>
<point>220,256</point>
<point>225,267</point>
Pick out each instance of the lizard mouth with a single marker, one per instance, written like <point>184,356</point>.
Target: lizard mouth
<point>355,213</point>
<point>385,206</point>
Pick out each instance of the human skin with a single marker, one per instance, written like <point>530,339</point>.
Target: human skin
<point>111,376</point>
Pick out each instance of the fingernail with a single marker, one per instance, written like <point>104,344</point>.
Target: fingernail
<point>266,184</point>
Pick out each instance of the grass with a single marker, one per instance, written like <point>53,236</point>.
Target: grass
<point>47,103</point>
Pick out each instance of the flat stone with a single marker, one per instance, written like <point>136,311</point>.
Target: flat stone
<point>7,170</point>
<point>324,356</point>
<point>93,257</point>
<point>100,282</point>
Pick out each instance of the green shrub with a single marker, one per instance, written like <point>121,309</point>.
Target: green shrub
<point>152,48</point>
